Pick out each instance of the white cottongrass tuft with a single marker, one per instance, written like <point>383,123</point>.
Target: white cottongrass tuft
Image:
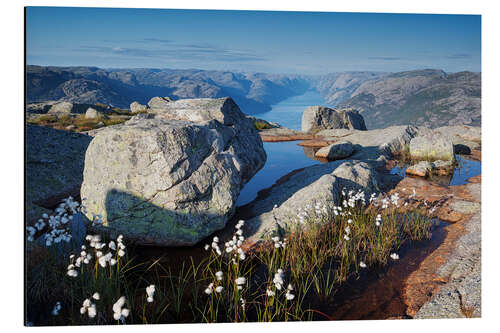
<point>219,275</point>
<point>394,256</point>
<point>362,264</point>
<point>89,308</point>
<point>150,291</point>
<point>118,311</point>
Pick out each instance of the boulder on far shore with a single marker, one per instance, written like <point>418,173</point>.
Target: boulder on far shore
<point>91,113</point>
<point>137,107</point>
<point>61,108</point>
<point>432,146</point>
<point>316,118</point>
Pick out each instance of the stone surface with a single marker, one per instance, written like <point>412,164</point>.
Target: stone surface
<point>461,295</point>
<point>421,169</point>
<point>91,113</point>
<point>283,134</point>
<point>336,132</point>
<point>40,108</point>
<point>161,180</point>
<point>158,102</point>
<point>336,151</point>
<point>61,108</point>
<point>432,145</point>
<point>316,118</point>
<point>318,184</point>
<point>137,107</point>
<point>54,167</point>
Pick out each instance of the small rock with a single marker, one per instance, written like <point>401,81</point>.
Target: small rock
<point>99,124</point>
<point>336,151</point>
<point>92,114</point>
<point>420,169</point>
<point>137,107</point>
<point>70,127</point>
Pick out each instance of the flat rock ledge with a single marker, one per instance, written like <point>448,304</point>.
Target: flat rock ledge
<point>460,297</point>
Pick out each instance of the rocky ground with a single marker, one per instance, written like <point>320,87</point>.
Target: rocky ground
<point>171,177</point>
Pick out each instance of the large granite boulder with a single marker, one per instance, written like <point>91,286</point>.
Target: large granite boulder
<point>137,107</point>
<point>61,108</point>
<point>278,210</point>
<point>432,146</point>
<point>54,167</point>
<point>171,178</point>
<point>317,118</point>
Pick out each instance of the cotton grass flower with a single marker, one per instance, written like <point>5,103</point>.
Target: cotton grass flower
<point>150,291</point>
<point>219,275</point>
<point>240,281</point>
<point>362,264</point>
<point>96,296</point>
<point>394,256</point>
<point>89,308</point>
<point>118,311</point>
<point>219,289</point>
<point>208,290</point>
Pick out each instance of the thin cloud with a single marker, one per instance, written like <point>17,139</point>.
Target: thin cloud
<point>179,52</point>
<point>385,58</point>
<point>459,56</point>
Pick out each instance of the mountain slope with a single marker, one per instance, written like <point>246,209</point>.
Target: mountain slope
<point>254,93</point>
<point>431,98</point>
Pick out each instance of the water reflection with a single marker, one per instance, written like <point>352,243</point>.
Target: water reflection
<point>282,158</point>
<point>466,169</point>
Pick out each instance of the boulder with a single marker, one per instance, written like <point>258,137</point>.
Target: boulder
<point>316,118</point>
<point>137,107</point>
<point>61,108</point>
<point>92,113</point>
<point>432,145</point>
<point>336,151</point>
<point>159,102</point>
<point>277,211</point>
<point>442,167</point>
<point>54,167</point>
<point>163,180</point>
<point>40,108</point>
<point>421,169</point>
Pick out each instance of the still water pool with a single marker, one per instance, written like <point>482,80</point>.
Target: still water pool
<point>288,113</point>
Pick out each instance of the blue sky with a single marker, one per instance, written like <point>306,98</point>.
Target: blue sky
<point>274,42</point>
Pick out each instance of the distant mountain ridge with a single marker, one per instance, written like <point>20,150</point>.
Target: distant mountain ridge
<point>428,97</point>
<point>254,93</point>
<point>421,97</point>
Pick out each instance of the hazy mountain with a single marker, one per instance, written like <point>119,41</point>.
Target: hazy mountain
<point>119,87</point>
<point>424,97</point>
<point>338,87</point>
